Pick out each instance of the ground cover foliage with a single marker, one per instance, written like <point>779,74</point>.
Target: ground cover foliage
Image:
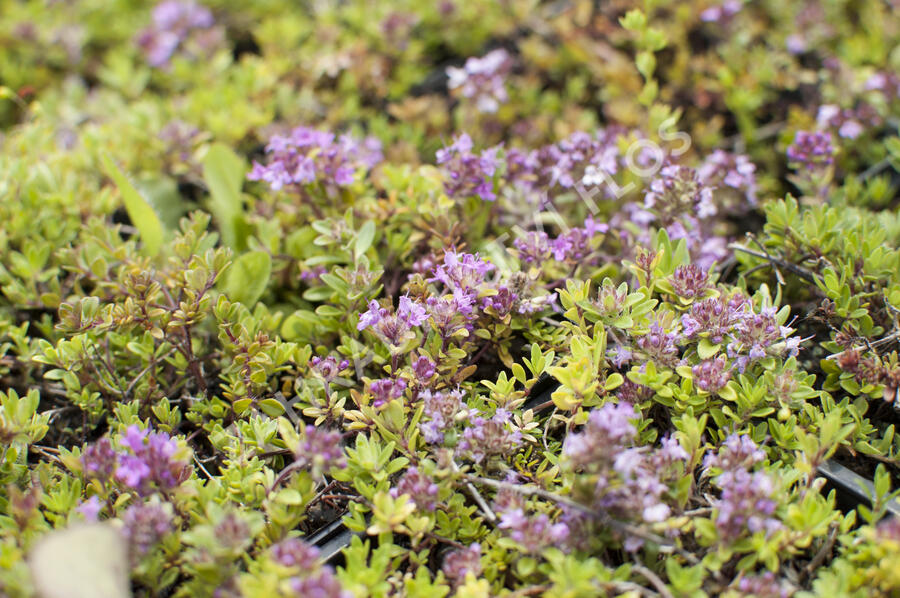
<point>536,298</point>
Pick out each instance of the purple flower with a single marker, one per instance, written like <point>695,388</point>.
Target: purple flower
<point>533,533</point>
<point>321,449</point>
<point>395,329</point>
<point>373,316</point>
<point>449,314</point>
<point>463,274</point>
<point>440,409</point>
<point>723,172</point>
<point>181,15</point>
<point>145,524</point>
<point>462,270</point>
<point>420,488</point>
<point>327,368</point>
<point>500,304</point>
<point>762,586</point>
<point>677,191</point>
<point>886,82</point>
<point>533,248</point>
<point>628,482</point>
<point>424,369</point>
<point>574,244</point>
<point>321,584</point>
<point>711,375</point>
<point>90,508</point>
<point>151,461</point>
<point>848,123</point>
<point>660,345</point>
<point>458,563</point>
<point>722,13</point>
<point>295,553</point>
<point>755,334</point>
<point>485,438</point>
<point>714,317</point>
<point>307,155</point>
<point>174,21</point>
<point>737,452</point>
<point>482,79</point>
<point>689,281</point>
<point>745,504</point>
<point>410,312</point>
<point>811,150</point>
<point>386,390</point>
<point>606,432</point>
<point>468,174</point>
<point>99,460</point>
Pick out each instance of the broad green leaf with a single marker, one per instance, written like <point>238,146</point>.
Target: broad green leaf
<point>223,172</point>
<point>140,211</point>
<point>248,277</point>
<point>364,238</point>
<point>162,193</point>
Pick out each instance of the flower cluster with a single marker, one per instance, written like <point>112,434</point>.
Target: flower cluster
<point>725,172</point>
<point>746,502</point>
<point>676,191</point>
<point>489,437</point>
<point>463,275</point>
<point>311,578</point>
<point>711,375</point>
<point>678,200</point>
<point>468,174</point>
<point>385,390</point>
<point>608,429</point>
<point>887,83</point>
<point>420,488</point>
<point>580,159</point>
<point>849,123</point>
<point>628,481</point>
<point>150,461</point>
<point>689,281</point>
<point>395,329</point>
<point>811,150</point>
<point>145,524</point>
<point>307,155</point>
<point>573,245</point>
<point>482,79</point>
<point>714,318</point>
<point>462,562</point>
<point>659,345</point>
<point>440,411</point>
<point>721,13</point>
<point>320,449</point>
<point>533,533</point>
<point>99,460</point>
<point>750,335</point>
<point>761,585</point>
<point>423,369</point>
<point>756,334</point>
<point>177,23</point>
<point>328,368</point>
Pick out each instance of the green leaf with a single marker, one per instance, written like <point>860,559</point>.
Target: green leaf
<point>241,405</point>
<point>271,407</point>
<point>161,192</point>
<point>364,238</point>
<point>223,173</point>
<point>140,210</point>
<point>248,277</point>
<point>706,349</point>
